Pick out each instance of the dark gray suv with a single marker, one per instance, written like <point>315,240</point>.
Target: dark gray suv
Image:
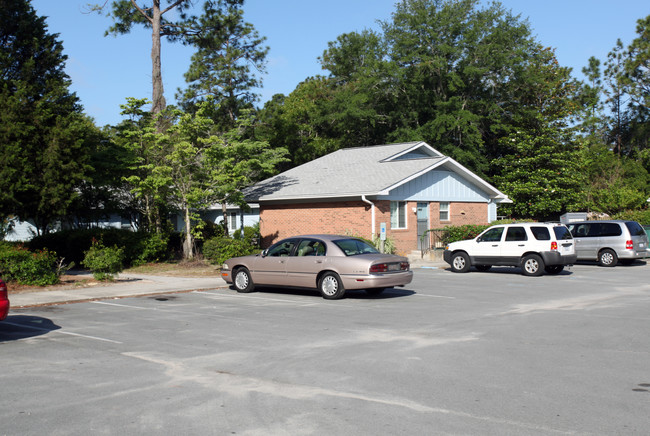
<point>610,242</point>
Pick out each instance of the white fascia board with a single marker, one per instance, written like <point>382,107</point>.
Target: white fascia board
<point>497,195</point>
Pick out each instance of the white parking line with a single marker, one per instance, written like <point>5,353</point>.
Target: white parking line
<point>63,332</point>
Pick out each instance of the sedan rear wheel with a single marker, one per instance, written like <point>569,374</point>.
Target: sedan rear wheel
<point>330,286</point>
<point>243,281</point>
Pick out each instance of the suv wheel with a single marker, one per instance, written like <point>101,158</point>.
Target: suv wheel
<point>460,262</point>
<point>607,257</point>
<point>532,265</point>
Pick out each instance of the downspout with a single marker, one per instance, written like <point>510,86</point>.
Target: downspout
<point>372,212</point>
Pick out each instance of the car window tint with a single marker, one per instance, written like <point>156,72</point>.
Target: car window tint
<point>282,248</point>
<point>492,235</point>
<point>610,229</point>
<point>634,228</point>
<point>353,247</point>
<point>561,233</point>
<point>541,233</point>
<point>311,247</point>
<point>516,234</point>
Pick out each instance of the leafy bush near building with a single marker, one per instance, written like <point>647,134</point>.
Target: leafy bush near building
<point>221,248</point>
<point>469,231</point>
<point>459,233</point>
<point>139,247</point>
<point>104,262</point>
<point>18,264</point>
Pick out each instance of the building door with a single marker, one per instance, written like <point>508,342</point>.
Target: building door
<point>423,225</point>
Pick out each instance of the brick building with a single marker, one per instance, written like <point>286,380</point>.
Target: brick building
<point>405,188</point>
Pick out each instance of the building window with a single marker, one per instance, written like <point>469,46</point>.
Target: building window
<point>397,214</point>
<point>232,221</point>
<point>444,211</point>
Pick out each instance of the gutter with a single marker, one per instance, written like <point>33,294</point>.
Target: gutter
<point>372,212</point>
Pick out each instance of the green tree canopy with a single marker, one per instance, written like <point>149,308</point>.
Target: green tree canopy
<point>44,137</point>
<point>229,54</point>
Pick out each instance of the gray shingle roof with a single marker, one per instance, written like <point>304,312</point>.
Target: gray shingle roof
<point>350,172</point>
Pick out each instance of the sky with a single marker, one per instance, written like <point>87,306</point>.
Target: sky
<point>105,70</point>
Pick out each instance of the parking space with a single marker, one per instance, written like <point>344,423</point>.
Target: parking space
<point>475,353</point>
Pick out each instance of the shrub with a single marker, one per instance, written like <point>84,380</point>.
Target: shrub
<point>139,247</point>
<point>28,268</point>
<point>218,250</point>
<point>104,262</point>
<point>458,233</point>
<point>153,247</point>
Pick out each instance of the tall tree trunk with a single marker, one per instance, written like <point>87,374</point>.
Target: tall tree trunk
<point>158,98</point>
<point>224,211</point>
<point>188,243</point>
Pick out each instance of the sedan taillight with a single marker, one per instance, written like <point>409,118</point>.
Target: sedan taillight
<point>385,267</point>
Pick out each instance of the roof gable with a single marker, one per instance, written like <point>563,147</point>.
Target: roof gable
<point>419,150</point>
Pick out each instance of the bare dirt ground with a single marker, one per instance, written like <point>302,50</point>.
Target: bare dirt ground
<point>83,279</point>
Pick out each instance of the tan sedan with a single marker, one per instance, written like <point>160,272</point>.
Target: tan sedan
<point>329,263</point>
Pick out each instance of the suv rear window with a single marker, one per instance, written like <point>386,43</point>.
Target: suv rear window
<point>541,233</point>
<point>634,228</point>
<point>561,233</point>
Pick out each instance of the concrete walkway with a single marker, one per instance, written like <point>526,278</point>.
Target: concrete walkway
<point>126,285</point>
<point>134,285</point>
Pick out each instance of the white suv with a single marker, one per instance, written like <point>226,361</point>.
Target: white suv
<point>535,247</point>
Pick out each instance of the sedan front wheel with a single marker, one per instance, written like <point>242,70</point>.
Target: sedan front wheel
<point>243,281</point>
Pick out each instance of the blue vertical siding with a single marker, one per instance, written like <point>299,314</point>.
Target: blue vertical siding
<point>438,186</point>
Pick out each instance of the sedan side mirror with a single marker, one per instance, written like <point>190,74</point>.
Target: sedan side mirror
<point>265,253</point>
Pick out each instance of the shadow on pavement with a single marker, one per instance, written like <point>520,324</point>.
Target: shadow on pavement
<point>349,294</point>
<point>16,327</point>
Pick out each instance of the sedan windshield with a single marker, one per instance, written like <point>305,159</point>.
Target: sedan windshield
<point>353,247</point>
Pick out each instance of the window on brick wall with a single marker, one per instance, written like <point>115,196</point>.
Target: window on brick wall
<point>444,211</point>
<point>397,214</point>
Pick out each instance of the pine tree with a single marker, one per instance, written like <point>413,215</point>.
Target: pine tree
<point>43,133</point>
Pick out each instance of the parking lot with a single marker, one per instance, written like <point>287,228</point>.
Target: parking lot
<point>491,353</point>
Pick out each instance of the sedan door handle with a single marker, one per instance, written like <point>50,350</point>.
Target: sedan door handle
<point>318,261</point>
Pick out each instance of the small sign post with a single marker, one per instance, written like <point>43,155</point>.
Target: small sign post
<point>382,237</point>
